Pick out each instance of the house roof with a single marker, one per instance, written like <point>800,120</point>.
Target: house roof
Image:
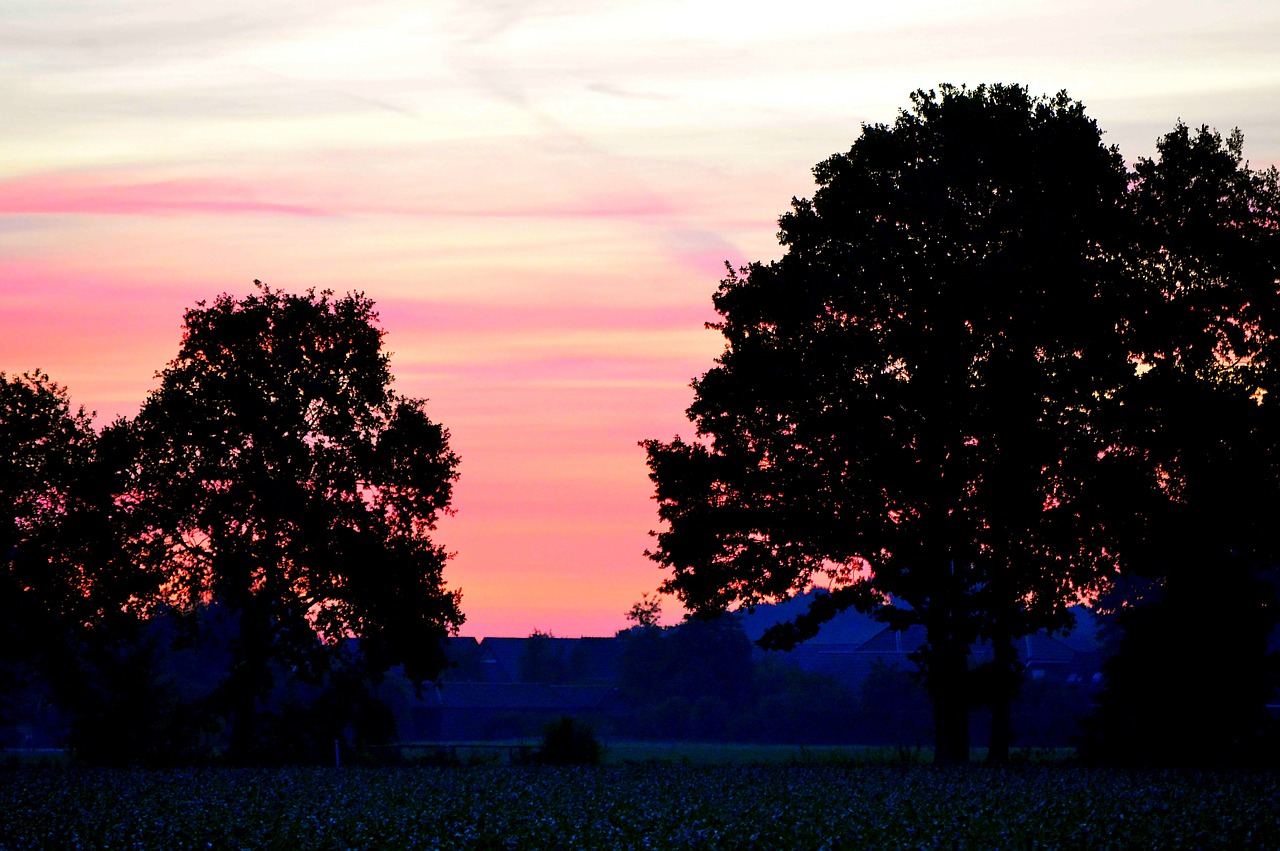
<point>1039,648</point>
<point>515,696</point>
<point>505,654</point>
<point>848,627</point>
<point>892,642</point>
<point>500,659</point>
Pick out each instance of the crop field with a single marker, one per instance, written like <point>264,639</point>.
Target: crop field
<point>701,753</point>
<point>684,753</point>
<point>637,806</point>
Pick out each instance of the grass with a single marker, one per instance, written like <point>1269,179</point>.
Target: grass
<point>640,805</point>
<point>719,753</point>
<point>714,753</point>
<point>16,757</point>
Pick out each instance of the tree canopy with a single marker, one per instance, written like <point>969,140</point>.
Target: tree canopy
<point>276,472</point>
<point>932,396</point>
<point>1201,418</point>
<point>45,449</point>
<point>265,522</point>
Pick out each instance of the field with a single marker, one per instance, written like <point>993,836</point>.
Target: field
<point>649,805</point>
<point>683,753</point>
<point>703,753</point>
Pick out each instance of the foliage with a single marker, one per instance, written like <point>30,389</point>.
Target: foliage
<point>664,673</point>
<point>65,584</point>
<point>275,472</point>
<point>126,711</point>
<point>645,612</point>
<point>638,806</point>
<point>893,708</point>
<point>272,501</point>
<point>46,452</point>
<point>701,681</point>
<point>968,384</point>
<point>569,742</point>
<point>540,661</point>
<point>1204,417</point>
<point>788,704</point>
<point>1173,698</point>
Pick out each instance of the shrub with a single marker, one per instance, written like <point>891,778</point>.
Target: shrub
<point>569,742</point>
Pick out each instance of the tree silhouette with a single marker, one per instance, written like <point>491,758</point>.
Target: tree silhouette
<point>1203,418</point>
<point>645,613</point>
<point>45,447</point>
<point>915,400</point>
<point>278,474</point>
<point>67,586</point>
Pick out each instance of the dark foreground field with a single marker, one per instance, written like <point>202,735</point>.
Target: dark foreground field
<point>637,806</point>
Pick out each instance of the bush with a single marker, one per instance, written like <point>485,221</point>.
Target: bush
<point>569,742</point>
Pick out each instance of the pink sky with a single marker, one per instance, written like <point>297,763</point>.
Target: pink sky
<point>539,195</point>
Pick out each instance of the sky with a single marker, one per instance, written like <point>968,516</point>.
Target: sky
<point>540,197</point>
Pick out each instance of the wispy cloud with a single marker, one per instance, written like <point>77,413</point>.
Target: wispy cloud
<point>57,36</point>
<point>61,194</point>
<point>539,318</point>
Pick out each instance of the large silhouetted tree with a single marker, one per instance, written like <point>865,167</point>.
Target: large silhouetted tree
<point>278,474</point>
<point>916,399</point>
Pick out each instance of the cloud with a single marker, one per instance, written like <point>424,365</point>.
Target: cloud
<point>602,207</point>
<point>536,318</point>
<point>68,36</point>
<point>67,194</point>
<point>316,193</point>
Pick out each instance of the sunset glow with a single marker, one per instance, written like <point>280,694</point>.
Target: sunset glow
<point>539,196</point>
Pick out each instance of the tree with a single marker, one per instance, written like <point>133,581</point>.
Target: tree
<point>275,472</point>
<point>1203,417</point>
<point>541,660</point>
<point>917,398</point>
<point>69,593</point>
<point>45,446</point>
<point>569,742</point>
<point>645,613</point>
<point>68,590</point>
<point>45,449</point>
<point>664,674</point>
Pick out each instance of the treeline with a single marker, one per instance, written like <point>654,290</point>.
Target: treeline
<point>706,681</point>
<point>1183,684</point>
<point>227,573</point>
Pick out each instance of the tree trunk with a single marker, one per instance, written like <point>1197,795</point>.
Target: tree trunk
<point>950,730</point>
<point>1006,677</point>
<point>1001,732</point>
<point>249,681</point>
<point>946,673</point>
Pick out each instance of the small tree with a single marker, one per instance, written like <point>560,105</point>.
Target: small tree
<point>569,742</point>
<point>645,612</point>
<point>541,660</point>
